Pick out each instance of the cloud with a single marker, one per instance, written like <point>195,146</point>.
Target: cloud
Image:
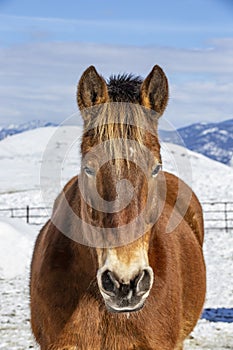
<point>38,80</point>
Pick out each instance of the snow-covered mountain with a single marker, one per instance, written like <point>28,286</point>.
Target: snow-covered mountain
<point>13,129</point>
<point>214,140</point>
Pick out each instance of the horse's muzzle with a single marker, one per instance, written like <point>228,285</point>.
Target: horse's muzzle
<point>125,297</point>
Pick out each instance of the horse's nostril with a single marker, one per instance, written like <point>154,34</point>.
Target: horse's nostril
<point>143,281</point>
<point>108,282</point>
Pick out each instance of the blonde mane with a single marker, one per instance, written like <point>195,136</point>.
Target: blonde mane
<point>114,125</point>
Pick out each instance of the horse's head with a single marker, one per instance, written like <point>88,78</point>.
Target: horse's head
<point>120,171</point>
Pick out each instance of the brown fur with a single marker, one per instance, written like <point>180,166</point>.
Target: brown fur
<point>67,309</point>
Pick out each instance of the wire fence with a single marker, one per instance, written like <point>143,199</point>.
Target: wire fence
<point>217,215</point>
<point>31,215</point>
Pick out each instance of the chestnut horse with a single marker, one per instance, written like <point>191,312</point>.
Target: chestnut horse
<point>94,286</point>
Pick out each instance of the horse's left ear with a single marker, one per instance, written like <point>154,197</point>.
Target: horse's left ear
<point>154,90</point>
<point>92,89</point>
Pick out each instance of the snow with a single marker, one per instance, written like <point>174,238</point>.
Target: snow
<point>16,242</point>
<point>208,131</point>
<point>223,132</point>
<point>210,336</point>
<point>21,157</point>
<point>16,246</point>
<point>15,332</point>
<point>218,252</point>
<point>210,180</point>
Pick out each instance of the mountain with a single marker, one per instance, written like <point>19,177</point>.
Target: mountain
<point>13,129</point>
<point>214,140</point>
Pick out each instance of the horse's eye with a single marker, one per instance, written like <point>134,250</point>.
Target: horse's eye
<point>156,170</point>
<point>89,171</point>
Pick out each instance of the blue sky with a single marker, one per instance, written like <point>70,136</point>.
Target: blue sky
<point>45,46</point>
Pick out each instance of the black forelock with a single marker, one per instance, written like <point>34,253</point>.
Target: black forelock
<point>124,88</point>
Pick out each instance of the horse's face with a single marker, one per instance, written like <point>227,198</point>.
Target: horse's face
<point>124,276</point>
<point>127,185</point>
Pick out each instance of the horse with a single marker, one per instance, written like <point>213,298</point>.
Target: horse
<point>106,274</point>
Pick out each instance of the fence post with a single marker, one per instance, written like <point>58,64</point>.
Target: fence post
<point>225,214</point>
<point>27,214</point>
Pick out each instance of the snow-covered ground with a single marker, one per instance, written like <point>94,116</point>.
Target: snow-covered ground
<point>21,157</point>
<point>16,245</point>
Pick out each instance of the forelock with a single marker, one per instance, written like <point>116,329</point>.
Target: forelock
<point>124,88</point>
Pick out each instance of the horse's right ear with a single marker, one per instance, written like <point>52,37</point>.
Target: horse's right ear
<point>92,89</point>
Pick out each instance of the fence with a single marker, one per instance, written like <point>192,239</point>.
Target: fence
<point>217,215</point>
<point>32,215</point>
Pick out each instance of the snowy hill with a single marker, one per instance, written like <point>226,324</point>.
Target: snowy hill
<point>21,158</point>
<point>214,140</point>
<point>13,129</point>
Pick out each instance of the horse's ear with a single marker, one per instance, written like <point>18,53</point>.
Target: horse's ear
<point>92,89</point>
<point>154,90</point>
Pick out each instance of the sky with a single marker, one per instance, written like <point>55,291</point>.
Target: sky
<point>46,45</point>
